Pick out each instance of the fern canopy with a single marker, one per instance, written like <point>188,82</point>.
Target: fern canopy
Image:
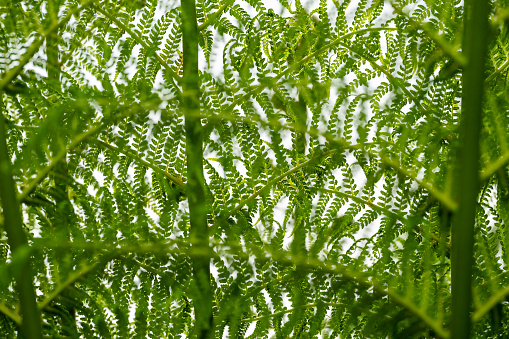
<point>230,169</point>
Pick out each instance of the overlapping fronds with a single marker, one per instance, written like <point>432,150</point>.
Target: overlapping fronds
<point>330,133</point>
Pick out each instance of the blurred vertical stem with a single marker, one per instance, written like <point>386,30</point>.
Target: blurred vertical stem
<point>475,43</point>
<point>198,209</point>
<point>298,245</point>
<point>13,225</point>
<point>53,64</point>
<point>299,231</point>
<point>64,206</point>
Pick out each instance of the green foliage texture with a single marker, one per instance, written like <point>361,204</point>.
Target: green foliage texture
<point>326,135</point>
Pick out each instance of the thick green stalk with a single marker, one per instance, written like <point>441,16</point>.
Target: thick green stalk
<point>53,65</point>
<point>64,206</point>
<point>475,47</point>
<point>31,317</point>
<point>298,245</point>
<point>198,209</point>
<point>299,229</point>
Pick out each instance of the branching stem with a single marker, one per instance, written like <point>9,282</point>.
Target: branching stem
<point>59,157</point>
<point>145,163</point>
<point>445,46</point>
<point>34,47</point>
<point>71,279</point>
<point>274,181</point>
<point>13,315</point>
<point>139,40</point>
<point>212,17</point>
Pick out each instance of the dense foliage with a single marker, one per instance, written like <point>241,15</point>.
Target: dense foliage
<point>223,169</point>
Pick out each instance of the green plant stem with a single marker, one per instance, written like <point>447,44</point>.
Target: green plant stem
<point>342,144</point>
<point>43,173</point>
<point>139,40</point>
<point>493,168</point>
<point>13,225</point>
<point>196,191</point>
<point>298,244</point>
<point>462,234</point>
<point>444,45</point>
<point>13,315</point>
<point>435,192</point>
<point>56,160</point>
<point>71,279</point>
<point>493,301</point>
<point>145,163</point>
<point>64,209</point>
<point>286,258</point>
<point>365,202</point>
<point>299,231</point>
<point>498,71</point>
<point>52,50</point>
<point>34,47</point>
<point>274,181</point>
<point>212,17</point>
